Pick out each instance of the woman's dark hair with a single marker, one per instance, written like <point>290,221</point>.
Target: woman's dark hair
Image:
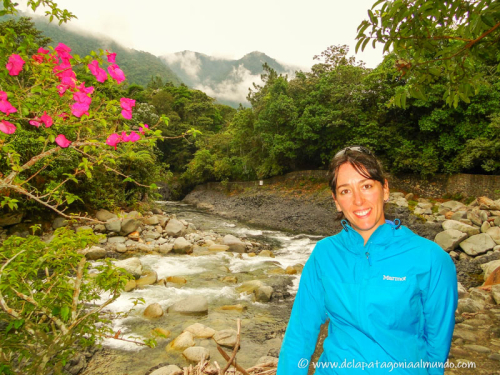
<point>363,161</point>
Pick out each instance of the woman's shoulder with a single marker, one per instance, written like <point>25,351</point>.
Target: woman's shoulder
<point>424,245</point>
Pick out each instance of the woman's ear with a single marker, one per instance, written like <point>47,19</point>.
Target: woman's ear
<point>386,190</point>
<point>336,203</point>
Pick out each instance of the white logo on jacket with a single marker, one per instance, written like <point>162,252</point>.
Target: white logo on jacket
<point>393,278</point>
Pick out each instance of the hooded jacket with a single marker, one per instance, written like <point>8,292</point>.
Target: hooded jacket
<point>391,305</point>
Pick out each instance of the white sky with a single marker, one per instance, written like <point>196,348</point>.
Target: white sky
<point>290,31</point>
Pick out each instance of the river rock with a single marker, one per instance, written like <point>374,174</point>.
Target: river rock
<point>16,218</point>
<point>150,235</point>
<point>493,278</point>
<point>478,348</point>
<point>104,215</point>
<point>162,333</point>
<point>175,228</point>
<point>182,342</point>
<point>264,293</point>
<point>129,225</point>
<point>266,253</point>
<point>93,253</point>
<point>134,236</point>
<point>453,205</point>
<point>200,331</point>
<point>168,370</point>
<point>449,239</point>
<point>473,216</point>
<point>196,353</point>
<point>239,307</point>
<point>133,215</point>
<point>480,295</point>
<point>226,337</point>
<point>218,248</point>
<point>113,225</point>
<point>193,305</point>
<point>489,267</point>
<point>235,244</point>
<point>131,265</point>
<point>464,335</point>
<point>165,248</point>
<point>462,292</point>
<point>457,225</point>
<point>176,280</point>
<point>117,239</point>
<point>148,279</point>
<point>459,215</point>
<point>486,203</point>
<point>162,220</point>
<point>230,279</point>
<point>290,271</point>
<point>485,227</point>
<point>152,220</point>
<point>495,292</point>
<point>477,244</point>
<point>494,233</point>
<point>99,228</point>
<point>182,246</point>
<point>268,360</point>
<point>130,285</point>
<point>153,311</point>
<point>249,287</point>
<point>468,305</point>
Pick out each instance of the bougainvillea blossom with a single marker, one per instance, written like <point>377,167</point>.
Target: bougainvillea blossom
<point>116,73</point>
<point>144,128</point>
<point>99,73</point>
<point>63,52</point>
<point>38,58</point>
<point>15,64</point>
<point>79,109</point>
<point>113,140</point>
<point>7,128</point>
<point>111,56</point>
<point>36,122</point>
<point>81,97</point>
<point>127,105</point>
<point>62,141</point>
<point>86,90</point>
<point>43,51</point>
<point>61,89</point>
<point>5,105</point>
<point>63,115</point>
<point>47,120</point>
<point>132,137</point>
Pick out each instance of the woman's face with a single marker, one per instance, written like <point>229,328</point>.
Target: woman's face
<point>361,200</point>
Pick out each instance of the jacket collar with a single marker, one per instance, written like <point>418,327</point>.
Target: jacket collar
<point>383,235</point>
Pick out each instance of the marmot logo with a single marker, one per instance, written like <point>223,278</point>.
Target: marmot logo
<point>393,278</point>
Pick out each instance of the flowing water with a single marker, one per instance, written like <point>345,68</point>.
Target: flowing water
<point>262,323</point>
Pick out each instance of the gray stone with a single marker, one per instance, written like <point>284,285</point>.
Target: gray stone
<point>153,311</point>
<point>409,196</point>
<point>459,215</point>
<point>121,247</point>
<point>474,217</point>
<point>263,294</point>
<point>196,353</point>
<point>422,211</point>
<point>200,331</point>
<point>396,195</point>
<point>494,356</point>
<point>182,246</point>
<point>495,293</point>
<point>449,239</point>
<point>58,222</point>
<point>486,203</point>
<point>477,244</point>
<point>104,215</point>
<point>482,296</point>
<point>453,205</point>
<point>131,265</point>
<point>193,305</point>
<point>133,215</point>
<point>468,305</point>
<point>129,225</point>
<point>84,228</point>
<point>497,221</point>
<point>454,254</point>
<point>457,225</point>
<point>113,225</point>
<point>485,227</point>
<point>99,228</point>
<point>462,292</point>
<point>235,244</point>
<point>494,233</point>
<point>175,228</point>
<point>93,253</point>
<point>152,220</point>
<point>478,348</point>
<point>268,359</point>
<point>162,220</point>
<point>226,337</point>
<point>489,267</point>
<point>484,215</point>
<point>150,235</point>
<point>168,370</point>
<point>464,335</point>
<point>117,239</point>
<point>183,341</point>
<point>149,278</point>
<point>165,248</point>
<point>157,211</point>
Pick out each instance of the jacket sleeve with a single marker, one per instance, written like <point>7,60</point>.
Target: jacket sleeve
<point>440,302</point>
<point>308,313</point>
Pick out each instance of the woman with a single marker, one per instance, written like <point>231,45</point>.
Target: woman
<point>389,294</point>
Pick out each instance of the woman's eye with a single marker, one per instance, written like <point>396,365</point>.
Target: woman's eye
<point>345,191</point>
<point>367,186</point>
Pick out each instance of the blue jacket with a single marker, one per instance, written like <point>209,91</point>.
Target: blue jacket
<point>391,301</point>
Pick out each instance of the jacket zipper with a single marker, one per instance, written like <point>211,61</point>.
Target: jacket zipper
<point>368,258</point>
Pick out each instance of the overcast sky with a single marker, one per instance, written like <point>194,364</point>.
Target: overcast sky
<point>290,31</point>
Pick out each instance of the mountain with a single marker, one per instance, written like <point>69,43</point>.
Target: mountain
<point>226,80</point>
<point>138,66</point>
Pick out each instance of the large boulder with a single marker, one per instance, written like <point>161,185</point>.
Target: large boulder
<point>478,244</point>
<point>182,246</point>
<point>196,353</point>
<point>131,265</point>
<point>113,225</point>
<point>457,225</point>
<point>153,311</point>
<point>93,253</point>
<point>450,239</point>
<point>193,305</point>
<point>235,244</point>
<point>129,225</point>
<point>104,215</point>
<point>175,228</point>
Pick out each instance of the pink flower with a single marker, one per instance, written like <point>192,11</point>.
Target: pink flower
<point>144,128</point>
<point>63,52</point>
<point>127,105</point>
<point>7,128</point>
<point>63,115</point>
<point>111,56</point>
<point>5,106</point>
<point>86,90</point>
<point>81,97</point>
<point>79,109</point>
<point>133,137</point>
<point>116,73</point>
<point>65,74</point>
<point>62,141</point>
<point>38,58</point>
<point>99,73</point>
<point>113,140</point>
<point>43,51</point>
<point>15,65</point>
<point>62,89</point>
<point>36,122</point>
<point>127,114</point>
<point>47,120</point>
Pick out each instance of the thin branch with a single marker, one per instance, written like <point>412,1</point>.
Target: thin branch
<point>78,284</point>
<point>3,304</point>
<point>236,347</point>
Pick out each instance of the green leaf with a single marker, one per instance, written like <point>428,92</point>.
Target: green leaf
<point>488,20</point>
<point>153,187</point>
<point>65,313</point>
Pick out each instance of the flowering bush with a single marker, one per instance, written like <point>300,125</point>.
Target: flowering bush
<point>64,118</point>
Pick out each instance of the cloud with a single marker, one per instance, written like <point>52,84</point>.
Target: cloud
<point>188,61</point>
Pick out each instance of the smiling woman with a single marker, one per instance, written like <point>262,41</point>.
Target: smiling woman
<point>389,295</point>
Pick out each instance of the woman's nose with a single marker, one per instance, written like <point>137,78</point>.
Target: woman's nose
<point>357,197</point>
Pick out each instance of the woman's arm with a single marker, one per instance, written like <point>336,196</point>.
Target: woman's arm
<point>308,313</point>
